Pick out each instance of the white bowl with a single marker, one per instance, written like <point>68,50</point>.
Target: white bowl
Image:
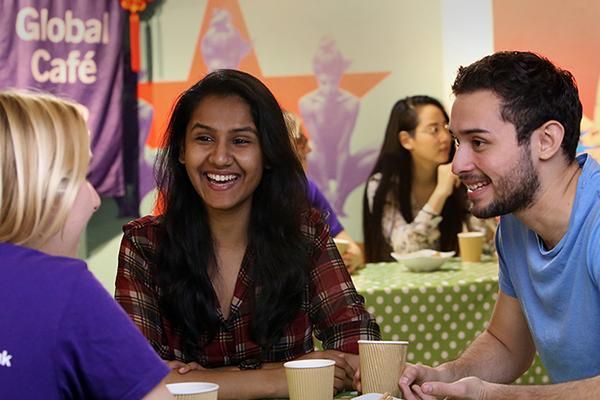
<point>423,260</point>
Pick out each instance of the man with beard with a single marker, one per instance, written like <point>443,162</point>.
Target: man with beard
<point>516,120</point>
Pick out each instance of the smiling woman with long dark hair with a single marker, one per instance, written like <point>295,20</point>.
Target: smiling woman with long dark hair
<point>238,272</point>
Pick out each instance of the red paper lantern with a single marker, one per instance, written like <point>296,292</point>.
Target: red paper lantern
<point>134,7</point>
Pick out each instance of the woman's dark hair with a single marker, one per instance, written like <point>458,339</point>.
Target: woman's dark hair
<point>532,91</point>
<point>276,246</point>
<point>395,166</point>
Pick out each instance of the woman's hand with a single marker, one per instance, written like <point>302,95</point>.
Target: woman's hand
<point>183,368</point>
<point>356,381</point>
<point>346,365</point>
<point>267,382</point>
<point>352,257</point>
<point>446,180</point>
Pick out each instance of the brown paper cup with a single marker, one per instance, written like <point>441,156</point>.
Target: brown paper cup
<point>194,390</point>
<point>341,244</point>
<point>381,364</point>
<point>310,379</point>
<point>470,245</point>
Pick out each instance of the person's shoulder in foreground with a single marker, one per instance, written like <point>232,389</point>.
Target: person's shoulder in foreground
<point>64,336</point>
<point>61,334</point>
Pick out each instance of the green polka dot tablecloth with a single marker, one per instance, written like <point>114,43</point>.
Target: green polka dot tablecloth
<point>438,312</point>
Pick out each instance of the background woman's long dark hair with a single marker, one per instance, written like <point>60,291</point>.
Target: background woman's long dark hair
<point>276,245</point>
<point>395,165</point>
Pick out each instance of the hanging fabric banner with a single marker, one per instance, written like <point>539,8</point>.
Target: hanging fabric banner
<point>72,49</point>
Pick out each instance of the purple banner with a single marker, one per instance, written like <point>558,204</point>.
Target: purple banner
<point>71,48</point>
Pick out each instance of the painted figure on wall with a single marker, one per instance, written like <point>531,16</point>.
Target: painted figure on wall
<point>223,46</point>
<point>329,114</point>
<point>224,42</point>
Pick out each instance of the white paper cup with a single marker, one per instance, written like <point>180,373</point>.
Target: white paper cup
<point>381,364</point>
<point>470,245</point>
<point>310,379</point>
<point>194,390</point>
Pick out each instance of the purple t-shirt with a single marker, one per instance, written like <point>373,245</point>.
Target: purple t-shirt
<point>318,201</point>
<point>62,336</point>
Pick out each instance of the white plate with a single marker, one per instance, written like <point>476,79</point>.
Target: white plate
<point>423,260</point>
<point>371,396</point>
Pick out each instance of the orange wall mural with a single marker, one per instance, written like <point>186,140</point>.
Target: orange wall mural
<point>568,34</point>
<point>287,89</point>
<point>328,100</point>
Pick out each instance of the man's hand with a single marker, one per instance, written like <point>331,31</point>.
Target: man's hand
<point>470,388</point>
<point>413,376</point>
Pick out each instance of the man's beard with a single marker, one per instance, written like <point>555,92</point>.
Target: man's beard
<point>514,192</point>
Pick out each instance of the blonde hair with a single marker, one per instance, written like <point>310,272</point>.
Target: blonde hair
<point>292,122</point>
<point>299,140</point>
<point>44,157</point>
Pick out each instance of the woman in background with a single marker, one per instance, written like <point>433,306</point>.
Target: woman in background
<point>237,274</point>
<point>412,200</point>
<point>352,255</point>
<point>62,335</point>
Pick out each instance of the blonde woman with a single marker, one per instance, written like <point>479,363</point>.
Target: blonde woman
<point>62,335</point>
<point>352,256</point>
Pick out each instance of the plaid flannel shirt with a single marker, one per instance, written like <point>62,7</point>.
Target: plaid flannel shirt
<point>331,309</point>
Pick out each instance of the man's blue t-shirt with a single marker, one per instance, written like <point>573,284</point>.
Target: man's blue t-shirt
<point>559,289</point>
<point>62,336</point>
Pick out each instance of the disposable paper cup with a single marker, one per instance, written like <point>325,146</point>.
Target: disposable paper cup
<point>381,364</point>
<point>470,245</point>
<point>194,390</point>
<point>342,245</point>
<point>310,379</point>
